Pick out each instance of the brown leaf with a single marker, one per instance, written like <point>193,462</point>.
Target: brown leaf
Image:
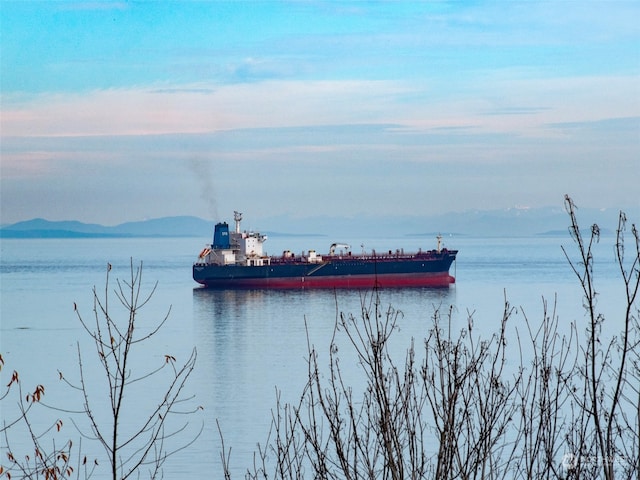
<point>14,378</point>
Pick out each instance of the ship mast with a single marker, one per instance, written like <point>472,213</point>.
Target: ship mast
<point>237,217</point>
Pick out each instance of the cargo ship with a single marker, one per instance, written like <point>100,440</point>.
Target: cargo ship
<point>236,259</point>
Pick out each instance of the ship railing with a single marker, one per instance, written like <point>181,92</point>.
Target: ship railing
<point>380,257</point>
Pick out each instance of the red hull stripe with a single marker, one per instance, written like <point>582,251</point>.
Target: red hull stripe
<point>436,280</point>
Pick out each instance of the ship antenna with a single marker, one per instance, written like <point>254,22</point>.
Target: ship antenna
<point>237,217</point>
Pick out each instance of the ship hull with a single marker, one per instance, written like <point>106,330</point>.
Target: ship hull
<point>438,280</point>
<point>348,272</point>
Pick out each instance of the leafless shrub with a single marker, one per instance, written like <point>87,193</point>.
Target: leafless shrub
<point>471,400</point>
<point>144,444</point>
<point>605,434</point>
<point>41,460</point>
<point>544,397</point>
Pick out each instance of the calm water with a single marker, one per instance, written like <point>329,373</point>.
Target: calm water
<point>250,342</point>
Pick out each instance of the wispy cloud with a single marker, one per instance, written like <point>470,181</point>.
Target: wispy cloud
<point>491,104</point>
<point>408,101</point>
<point>516,110</point>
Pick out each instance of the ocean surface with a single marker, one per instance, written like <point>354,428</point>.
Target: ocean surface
<point>250,344</point>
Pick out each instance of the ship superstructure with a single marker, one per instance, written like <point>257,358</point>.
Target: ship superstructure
<point>234,247</point>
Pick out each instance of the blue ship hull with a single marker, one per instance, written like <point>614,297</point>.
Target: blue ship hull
<point>429,269</point>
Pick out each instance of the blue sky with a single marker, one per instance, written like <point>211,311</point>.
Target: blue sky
<point>121,111</point>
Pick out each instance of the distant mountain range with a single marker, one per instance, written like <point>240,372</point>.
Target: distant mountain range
<point>159,227</point>
<point>509,223</point>
<point>514,222</point>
